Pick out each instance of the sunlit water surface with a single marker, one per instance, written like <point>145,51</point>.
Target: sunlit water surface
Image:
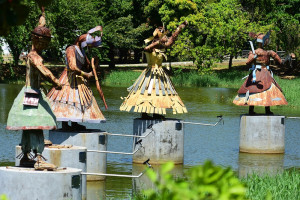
<point>219,144</point>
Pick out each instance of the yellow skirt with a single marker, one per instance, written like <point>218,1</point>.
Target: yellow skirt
<point>153,93</point>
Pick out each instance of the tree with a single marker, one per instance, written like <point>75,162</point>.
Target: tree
<point>18,38</point>
<point>280,16</point>
<point>15,12</point>
<point>216,28</point>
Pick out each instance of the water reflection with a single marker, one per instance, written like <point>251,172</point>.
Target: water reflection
<point>144,183</point>
<point>95,190</point>
<point>260,164</point>
<point>219,144</point>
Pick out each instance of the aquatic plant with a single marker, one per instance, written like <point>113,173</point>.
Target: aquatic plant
<point>279,187</point>
<point>206,181</point>
<point>121,78</point>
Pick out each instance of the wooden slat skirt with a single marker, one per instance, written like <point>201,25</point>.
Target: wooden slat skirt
<point>270,97</point>
<point>75,101</point>
<point>153,93</point>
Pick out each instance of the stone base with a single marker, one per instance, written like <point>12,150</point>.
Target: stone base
<point>28,184</point>
<point>262,134</point>
<point>164,144</point>
<point>74,157</point>
<point>90,139</point>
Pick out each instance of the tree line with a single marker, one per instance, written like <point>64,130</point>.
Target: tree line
<point>217,28</point>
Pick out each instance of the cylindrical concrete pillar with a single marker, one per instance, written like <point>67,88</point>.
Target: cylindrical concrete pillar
<point>262,134</point>
<point>74,157</point>
<point>96,162</point>
<point>260,164</point>
<point>164,143</point>
<point>27,183</point>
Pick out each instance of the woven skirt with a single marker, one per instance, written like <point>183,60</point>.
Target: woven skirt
<point>270,97</point>
<point>75,101</point>
<point>153,93</point>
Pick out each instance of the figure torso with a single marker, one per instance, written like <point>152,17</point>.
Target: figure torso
<point>154,59</point>
<point>79,56</point>
<point>263,57</point>
<point>32,73</point>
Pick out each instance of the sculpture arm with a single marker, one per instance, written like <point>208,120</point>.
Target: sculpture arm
<point>165,41</point>
<point>251,58</point>
<point>275,56</point>
<point>37,63</point>
<point>71,58</point>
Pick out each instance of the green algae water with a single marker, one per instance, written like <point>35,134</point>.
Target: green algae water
<point>219,144</point>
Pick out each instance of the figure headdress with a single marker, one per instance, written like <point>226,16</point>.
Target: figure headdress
<point>261,38</point>
<point>92,41</point>
<point>41,33</point>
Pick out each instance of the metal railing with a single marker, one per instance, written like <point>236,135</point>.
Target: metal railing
<point>121,175</point>
<point>123,153</point>
<point>203,124</point>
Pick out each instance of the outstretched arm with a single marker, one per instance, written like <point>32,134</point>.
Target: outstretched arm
<point>275,56</point>
<point>37,62</point>
<point>167,42</point>
<point>251,58</point>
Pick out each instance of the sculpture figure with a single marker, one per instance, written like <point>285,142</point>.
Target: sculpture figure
<point>260,88</point>
<point>75,101</point>
<point>31,111</point>
<point>153,92</point>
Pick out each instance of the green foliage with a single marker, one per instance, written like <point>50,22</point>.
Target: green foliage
<point>3,197</point>
<point>281,16</point>
<point>281,186</point>
<point>216,28</point>
<point>121,78</point>
<point>203,182</point>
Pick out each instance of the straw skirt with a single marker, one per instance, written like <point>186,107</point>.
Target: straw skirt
<point>153,93</point>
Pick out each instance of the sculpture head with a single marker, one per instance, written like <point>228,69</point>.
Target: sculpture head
<point>261,39</point>
<point>40,37</point>
<point>87,40</point>
<point>159,32</point>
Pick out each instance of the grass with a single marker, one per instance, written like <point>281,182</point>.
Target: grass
<point>121,78</point>
<point>279,187</point>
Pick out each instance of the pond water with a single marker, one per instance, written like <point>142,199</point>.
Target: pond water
<point>219,144</point>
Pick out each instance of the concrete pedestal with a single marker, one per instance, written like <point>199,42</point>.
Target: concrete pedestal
<point>27,184</point>
<point>260,164</point>
<point>92,140</point>
<point>262,134</point>
<point>165,143</point>
<point>74,157</point>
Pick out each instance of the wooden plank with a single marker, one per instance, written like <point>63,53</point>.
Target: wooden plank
<point>150,86</point>
<point>162,87</point>
<point>157,87</point>
<point>145,82</point>
<point>141,77</point>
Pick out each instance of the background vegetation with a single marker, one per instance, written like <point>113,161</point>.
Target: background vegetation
<point>211,182</point>
<point>217,28</point>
